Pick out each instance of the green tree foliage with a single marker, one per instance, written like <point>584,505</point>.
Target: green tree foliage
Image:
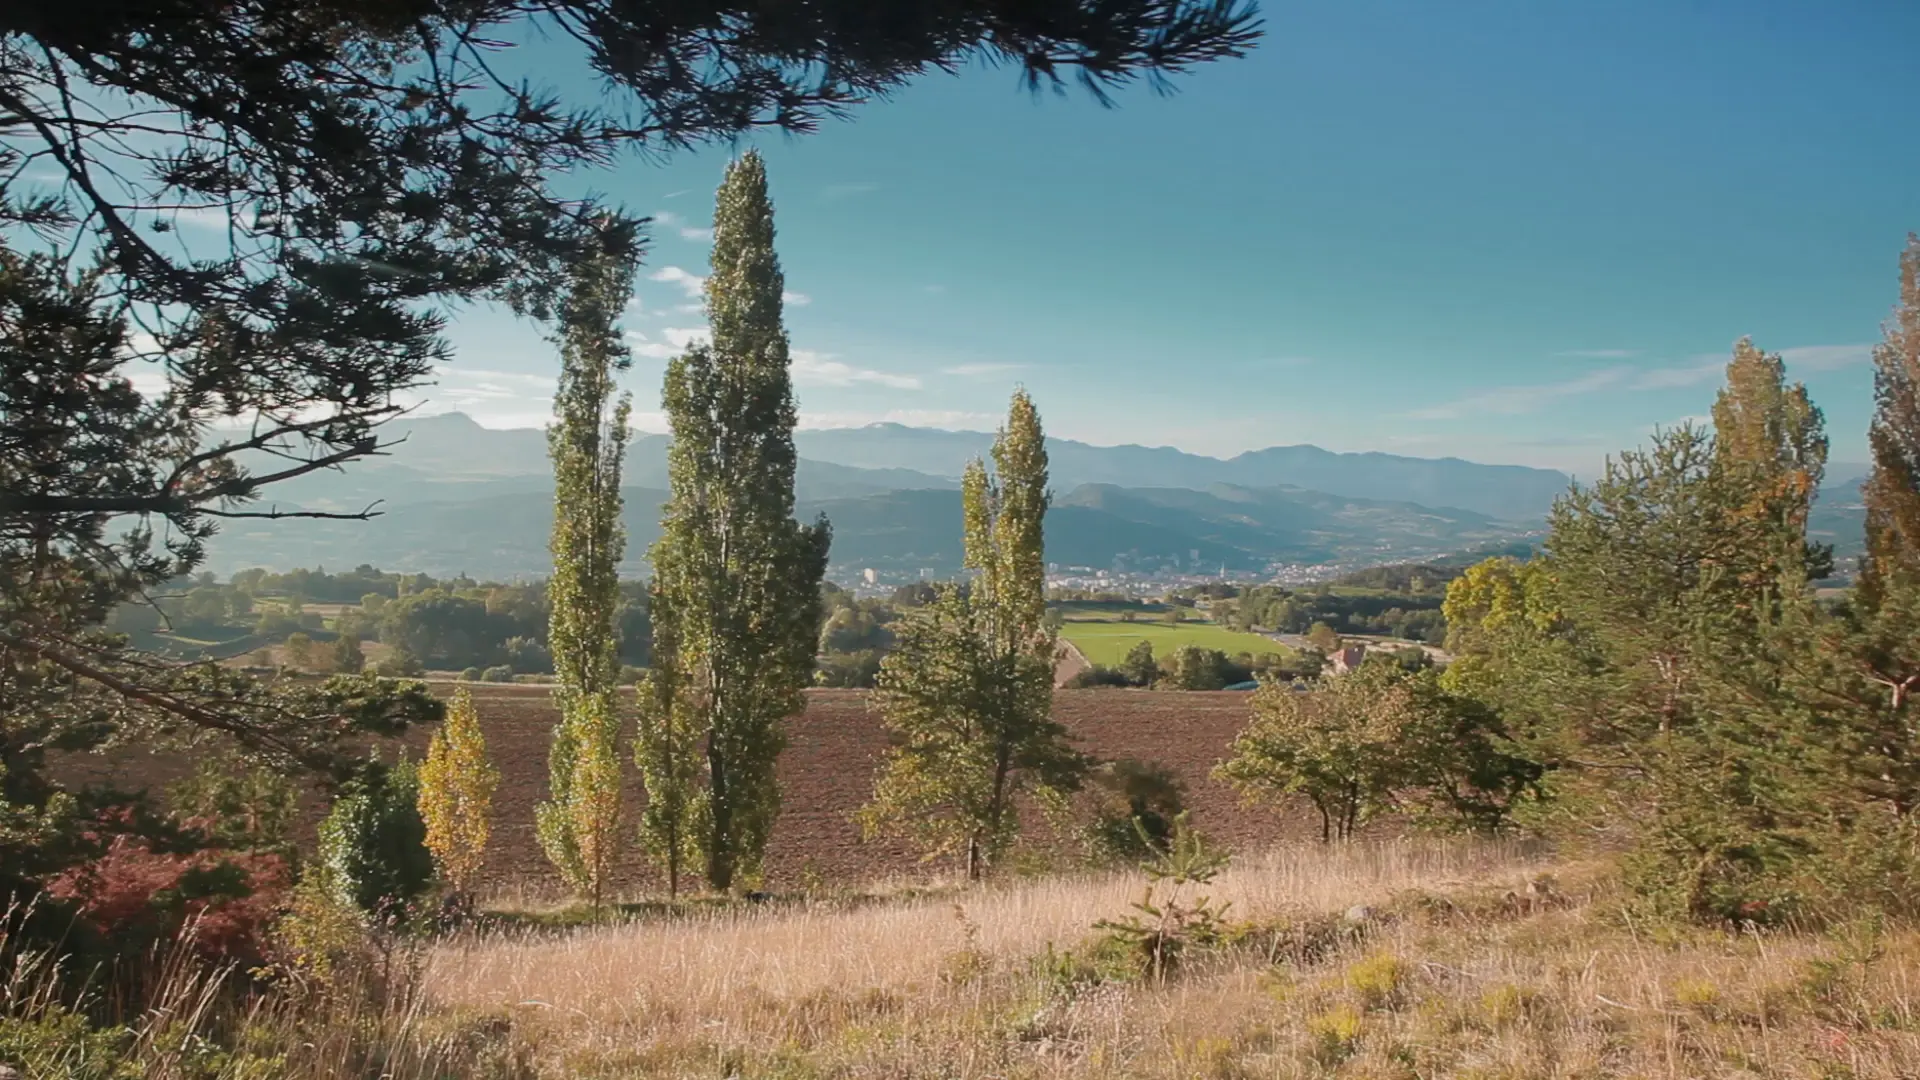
<point>1139,666</point>
<point>373,843</point>
<point>457,783</point>
<point>1381,738</point>
<point>1338,744</point>
<point>345,655</point>
<point>1323,637</point>
<point>587,443</point>
<point>736,608</point>
<point>298,651</point>
<point>1134,807</point>
<point>238,804</point>
<point>372,166</point>
<point>1194,668</point>
<point>1665,664</point>
<point>968,691</point>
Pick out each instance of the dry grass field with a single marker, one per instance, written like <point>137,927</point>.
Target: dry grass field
<point>1446,972</point>
<point>1469,959</point>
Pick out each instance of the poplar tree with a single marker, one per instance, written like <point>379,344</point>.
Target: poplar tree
<point>968,690</point>
<point>456,795</point>
<point>1892,490</point>
<point>586,443</point>
<point>737,580</point>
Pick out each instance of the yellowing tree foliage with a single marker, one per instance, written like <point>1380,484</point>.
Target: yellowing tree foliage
<point>456,795</point>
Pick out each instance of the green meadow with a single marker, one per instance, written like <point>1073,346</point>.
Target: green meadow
<point>1105,641</point>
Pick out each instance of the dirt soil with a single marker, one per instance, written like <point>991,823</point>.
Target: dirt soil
<point>827,773</point>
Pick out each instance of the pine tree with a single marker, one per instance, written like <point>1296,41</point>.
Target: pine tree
<point>1892,489</point>
<point>456,795</point>
<point>586,442</point>
<point>737,581</point>
<point>968,689</point>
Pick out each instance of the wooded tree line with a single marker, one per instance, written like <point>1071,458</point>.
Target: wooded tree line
<point>1662,679</point>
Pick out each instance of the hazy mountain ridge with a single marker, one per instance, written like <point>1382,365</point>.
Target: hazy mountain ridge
<point>490,529</point>
<point>455,496</point>
<point>893,456</point>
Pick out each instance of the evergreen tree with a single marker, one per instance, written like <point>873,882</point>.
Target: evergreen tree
<point>737,606</point>
<point>456,795</point>
<point>587,442</point>
<point>968,689</point>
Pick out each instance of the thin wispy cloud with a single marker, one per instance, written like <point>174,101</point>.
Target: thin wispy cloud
<point>933,290</point>
<point>1825,357</point>
<point>689,282</point>
<point>842,191</point>
<point>821,369</point>
<point>1709,367</point>
<point>1518,400</point>
<point>949,419</point>
<point>687,230</point>
<point>1600,354</point>
<point>980,371</point>
<point>1691,372</point>
<point>797,299</point>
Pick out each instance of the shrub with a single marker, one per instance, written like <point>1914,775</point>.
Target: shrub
<point>320,932</point>
<point>1335,1034</point>
<point>1377,980</point>
<point>499,673</point>
<point>1134,806</point>
<point>1095,676</point>
<point>138,897</point>
<point>473,674</point>
<point>373,842</point>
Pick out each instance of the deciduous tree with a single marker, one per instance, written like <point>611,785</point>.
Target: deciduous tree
<point>968,691</point>
<point>587,443</point>
<point>737,606</point>
<point>457,782</point>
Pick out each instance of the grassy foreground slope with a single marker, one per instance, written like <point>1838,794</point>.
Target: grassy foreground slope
<point>1447,973</point>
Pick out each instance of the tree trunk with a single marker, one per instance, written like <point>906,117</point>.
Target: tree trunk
<point>719,857</point>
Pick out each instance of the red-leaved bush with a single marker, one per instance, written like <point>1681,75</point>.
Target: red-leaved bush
<point>136,896</point>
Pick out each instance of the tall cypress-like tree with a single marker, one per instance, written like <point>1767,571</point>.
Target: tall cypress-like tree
<point>587,443</point>
<point>737,580</point>
<point>968,689</point>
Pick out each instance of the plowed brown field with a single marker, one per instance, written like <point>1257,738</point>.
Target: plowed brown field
<point>827,773</point>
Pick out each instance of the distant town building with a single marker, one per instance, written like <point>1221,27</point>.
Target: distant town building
<point>871,575</point>
<point>1348,657</point>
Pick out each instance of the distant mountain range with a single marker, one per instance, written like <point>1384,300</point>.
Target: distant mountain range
<point>456,496</point>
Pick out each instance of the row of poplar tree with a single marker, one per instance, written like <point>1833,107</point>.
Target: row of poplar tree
<point>736,611</point>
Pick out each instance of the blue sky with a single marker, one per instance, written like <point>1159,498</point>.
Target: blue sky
<point>1511,232</point>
